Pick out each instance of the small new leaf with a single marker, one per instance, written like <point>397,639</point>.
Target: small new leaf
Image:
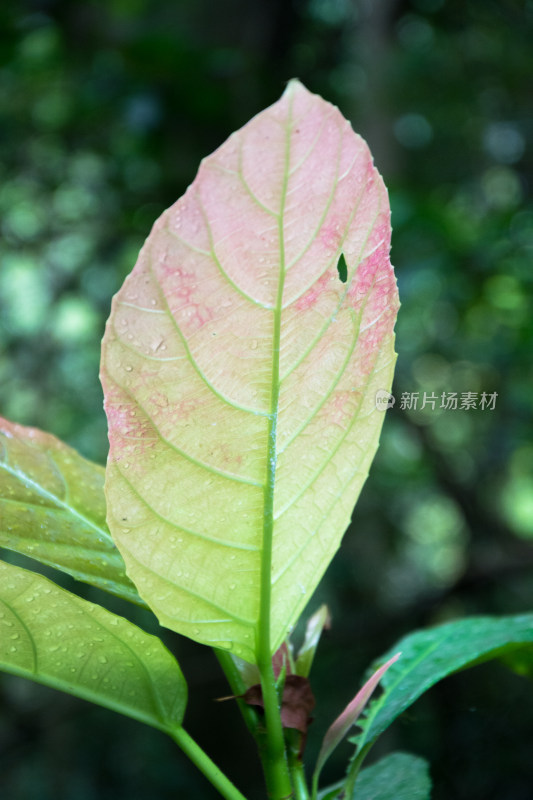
<point>338,730</point>
<point>319,622</point>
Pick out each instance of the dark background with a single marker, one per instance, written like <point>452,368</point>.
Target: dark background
<point>106,109</point>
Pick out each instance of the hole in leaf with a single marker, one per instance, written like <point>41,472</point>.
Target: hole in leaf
<point>342,268</point>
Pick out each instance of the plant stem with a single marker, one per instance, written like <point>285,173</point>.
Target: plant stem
<point>201,760</point>
<point>301,792</point>
<point>353,771</point>
<point>273,753</point>
<point>238,687</point>
<point>249,714</point>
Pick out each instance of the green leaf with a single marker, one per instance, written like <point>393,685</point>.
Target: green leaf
<point>240,376</point>
<point>52,508</point>
<point>54,637</point>
<point>429,656</point>
<point>399,776</point>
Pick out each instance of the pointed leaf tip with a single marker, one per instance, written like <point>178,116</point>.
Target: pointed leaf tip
<point>316,624</point>
<point>295,85</point>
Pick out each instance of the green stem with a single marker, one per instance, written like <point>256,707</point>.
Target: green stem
<point>201,760</point>
<point>314,785</point>
<point>238,687</point>
<point>271,750</point>
<point>353,771</point>
<point>273,753</point>
<point>301,791</point>
<point>251,719</point>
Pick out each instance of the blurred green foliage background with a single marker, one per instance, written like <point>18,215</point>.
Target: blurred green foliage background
<point>106,109</point>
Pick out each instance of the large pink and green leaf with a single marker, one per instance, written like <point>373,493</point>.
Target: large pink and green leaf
<point>240,375</point>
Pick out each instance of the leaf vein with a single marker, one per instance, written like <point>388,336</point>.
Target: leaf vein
<point>218,263</point>
<point>248,188</point>
<point>192,593</point>
<point>152,690</point>
<point>355,419</point>
<point>139,353</point>
<point>328,394</point>
<point>189,531</point>
<point>182,241</point>
<point>196,461</point>
<point>191,358</point>
<point>30,483</point>
<point>342,298</point>
<point>23,625</point>
<point>313,144</point>
<point>329,201</point>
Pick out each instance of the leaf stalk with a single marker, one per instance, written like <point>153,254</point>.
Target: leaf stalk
<point>296,767</point>
<point>238,687</point>
<point>353,771</point>
<point>208,768</point>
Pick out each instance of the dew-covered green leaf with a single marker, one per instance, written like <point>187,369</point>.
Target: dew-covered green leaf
<point>52,508</point>
<point>399,776</point>
<point>54,637</point>
<point>429,656</point>
<point>240,373</point>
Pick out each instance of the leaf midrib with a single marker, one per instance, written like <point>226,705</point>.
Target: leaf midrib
<point>263,638</point>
